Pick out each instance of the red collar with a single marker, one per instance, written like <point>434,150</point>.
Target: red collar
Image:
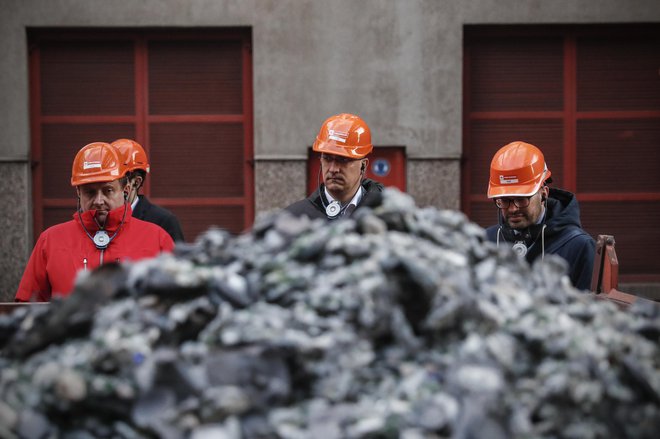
<point>112,222</point>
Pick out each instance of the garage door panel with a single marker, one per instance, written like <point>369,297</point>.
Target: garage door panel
<point>195,77</point>
<point>516,74</point>
<point>196,220</point>
<point>618,155</point>
<point>57,215</point>
<point>87,78</point>
<point>197,160</point>
<point>618,73</point>
<point>634,225</point>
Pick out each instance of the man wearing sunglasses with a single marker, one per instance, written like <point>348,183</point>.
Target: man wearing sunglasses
<point>534,219</point>
<point>344,141</point>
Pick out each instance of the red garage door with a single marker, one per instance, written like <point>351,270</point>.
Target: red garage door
<point>185,96</point>
<point>589,97</point>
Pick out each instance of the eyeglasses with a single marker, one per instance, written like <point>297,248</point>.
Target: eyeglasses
<point>329,158</point>
<point>504,203</point>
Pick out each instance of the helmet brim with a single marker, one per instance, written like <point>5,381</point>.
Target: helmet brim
<point>523,190</point>
<point>333,148</point>
<point>94,179</point>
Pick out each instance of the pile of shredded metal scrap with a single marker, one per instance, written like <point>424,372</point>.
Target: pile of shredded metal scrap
<point>398,322</point>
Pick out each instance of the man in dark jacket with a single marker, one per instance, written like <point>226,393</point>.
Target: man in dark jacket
<point>138,167</point>
<point>535,219</point>
<point>344,142</point>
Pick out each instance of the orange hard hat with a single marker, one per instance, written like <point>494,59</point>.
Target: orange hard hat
<point>133,154</point>
<point>344,134</point>
<point>517,170</point>
<point>97,162</point>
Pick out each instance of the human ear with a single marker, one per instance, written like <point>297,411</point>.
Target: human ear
<point>544,194</point>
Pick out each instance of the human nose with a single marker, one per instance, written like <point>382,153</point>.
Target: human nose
<point>333,166</point>
<point>98,199</point>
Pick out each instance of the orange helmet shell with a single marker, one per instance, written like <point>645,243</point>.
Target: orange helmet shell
<point>97,162</point>
<point>344,134</point>
<point>517,170</point>
<point>133,154</point>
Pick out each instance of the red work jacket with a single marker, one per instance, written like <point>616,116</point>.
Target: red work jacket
<point>64,249</point>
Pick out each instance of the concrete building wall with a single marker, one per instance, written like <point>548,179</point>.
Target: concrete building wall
<point>397,63</point>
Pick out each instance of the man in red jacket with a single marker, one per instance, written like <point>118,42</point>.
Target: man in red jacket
<point>102,230</point>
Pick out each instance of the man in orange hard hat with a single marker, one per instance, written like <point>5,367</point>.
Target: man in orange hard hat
<point>102,230</point>
<point>137,164</point>
<point>533,218</point>
<point>344,141</point>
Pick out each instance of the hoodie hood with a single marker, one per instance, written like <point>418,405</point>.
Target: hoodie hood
<point>562,212</point>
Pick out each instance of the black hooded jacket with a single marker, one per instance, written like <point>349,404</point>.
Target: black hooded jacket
<point>563,235</point>
<point>314,205</point>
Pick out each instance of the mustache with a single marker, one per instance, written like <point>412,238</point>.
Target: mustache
<point>337,177</point>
